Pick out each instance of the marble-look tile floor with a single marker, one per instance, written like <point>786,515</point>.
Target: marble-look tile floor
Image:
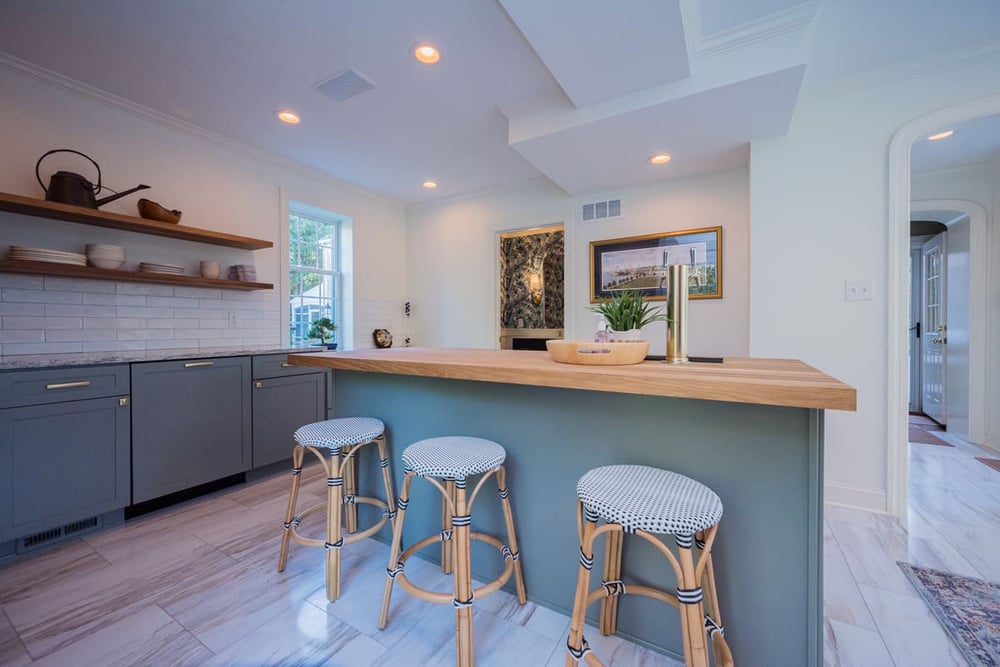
<point>196,584</point>
<point>874,617</point>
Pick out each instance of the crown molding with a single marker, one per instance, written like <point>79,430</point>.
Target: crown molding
<point>80,89</point>
<point>506,188</point>
<point>793,19</point>
<point>902,71</point>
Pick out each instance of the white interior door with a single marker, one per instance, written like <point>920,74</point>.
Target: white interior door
<point>916,312</point>
<point>933,339</point>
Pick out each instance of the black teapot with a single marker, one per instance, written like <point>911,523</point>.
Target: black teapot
<point>67,187</point>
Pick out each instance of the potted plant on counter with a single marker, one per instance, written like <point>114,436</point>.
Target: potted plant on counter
<point>626,313</point>
<point>323,329</point>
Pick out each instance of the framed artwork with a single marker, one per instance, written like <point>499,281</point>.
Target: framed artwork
<point>640,263</point>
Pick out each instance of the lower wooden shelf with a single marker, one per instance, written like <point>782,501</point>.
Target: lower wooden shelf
<point>89,272</point>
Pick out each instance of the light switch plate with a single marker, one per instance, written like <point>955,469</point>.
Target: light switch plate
<point>857,290</point>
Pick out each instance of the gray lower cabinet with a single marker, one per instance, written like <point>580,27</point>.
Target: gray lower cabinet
<point>284,398</point>
<point>191,423</point>
<point>64,447</point>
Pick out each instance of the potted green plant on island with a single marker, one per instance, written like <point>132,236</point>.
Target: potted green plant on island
<point>627,312</point>
<point>323,329</point>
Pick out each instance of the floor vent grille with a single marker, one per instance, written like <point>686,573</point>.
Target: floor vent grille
<point>54,535</point>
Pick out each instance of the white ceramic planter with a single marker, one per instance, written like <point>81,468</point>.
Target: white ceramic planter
<point>630,336</point>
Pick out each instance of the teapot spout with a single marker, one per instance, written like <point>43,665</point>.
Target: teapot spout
<point>105,200</point>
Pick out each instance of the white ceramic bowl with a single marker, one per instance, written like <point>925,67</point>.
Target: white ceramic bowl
<point>104,263</point>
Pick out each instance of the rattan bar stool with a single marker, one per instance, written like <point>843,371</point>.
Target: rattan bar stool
<point>647,502</point>
<point>453,459</point>
<point>336,442</point>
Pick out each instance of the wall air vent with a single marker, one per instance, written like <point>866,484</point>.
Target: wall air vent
<point>345,85</point>
<point>601,210</point>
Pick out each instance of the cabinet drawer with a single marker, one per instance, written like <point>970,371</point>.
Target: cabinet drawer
<point>276,366</point>
<point>38,387</point>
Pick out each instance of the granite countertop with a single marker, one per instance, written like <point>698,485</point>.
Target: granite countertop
<point>29,361</point>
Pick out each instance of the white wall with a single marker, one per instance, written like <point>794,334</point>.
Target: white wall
<point>818,217</point>
<point>453,254</point>
<point>218,186</point>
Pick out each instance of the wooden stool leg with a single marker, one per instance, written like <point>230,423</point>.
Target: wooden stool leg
<point>612,572</point>
<point>297,455</point>
<point>349,471</point>
<point>463,579</point>
<point>394,549</point>
<point>508,516</point>
<point>386,479</point>
<point>447,546</point>
<point>692,610</point>
<point>579,618</point>
<point>334,532</point>
<point>723,657</point>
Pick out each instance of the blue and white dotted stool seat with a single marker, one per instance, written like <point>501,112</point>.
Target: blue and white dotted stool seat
<point>646,501</point>
<point>453,459</point>
<point>336,433</point>
<point>336,443</point>
<point>650,499</point>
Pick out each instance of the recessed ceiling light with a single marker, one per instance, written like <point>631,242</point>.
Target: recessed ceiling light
<point>286,116</point>
<point>659,158</point>
<point>941,135</point>
<point>430,185</point>
<point>426,53</point>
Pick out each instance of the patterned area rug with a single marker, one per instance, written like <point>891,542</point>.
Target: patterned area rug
<point>925,437</point>
<point>969,609</point>
<point>993,463</point>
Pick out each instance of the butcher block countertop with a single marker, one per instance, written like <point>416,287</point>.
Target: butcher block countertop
<point>783,382</point>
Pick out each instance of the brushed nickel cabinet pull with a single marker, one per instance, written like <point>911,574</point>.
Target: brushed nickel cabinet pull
<point>286,365</point>
<point>122,402</point>
<point>68,385</point>
<point>196,364</point>
<point>259,385</point>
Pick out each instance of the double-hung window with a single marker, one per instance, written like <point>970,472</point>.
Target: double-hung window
<point>314,271</point>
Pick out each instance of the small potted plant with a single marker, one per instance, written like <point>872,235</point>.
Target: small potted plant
<point>323,329</point>
<point>626,313</point>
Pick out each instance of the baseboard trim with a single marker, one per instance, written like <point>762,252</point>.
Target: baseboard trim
<point>855,497</point>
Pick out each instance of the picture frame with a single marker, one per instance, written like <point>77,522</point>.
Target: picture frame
<point>639,263</point>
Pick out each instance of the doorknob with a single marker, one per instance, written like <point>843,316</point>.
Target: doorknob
<point>940,341</point>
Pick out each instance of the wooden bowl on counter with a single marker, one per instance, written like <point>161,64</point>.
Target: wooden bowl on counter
<point>152,211</point>
<point>589,353</point>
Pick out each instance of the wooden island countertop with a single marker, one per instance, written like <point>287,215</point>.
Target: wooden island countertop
<point>781,382</point>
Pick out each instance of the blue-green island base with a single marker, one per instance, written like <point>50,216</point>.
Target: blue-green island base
<point>765,463</point>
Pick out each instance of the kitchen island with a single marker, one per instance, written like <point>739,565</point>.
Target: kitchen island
<point>751,429</point>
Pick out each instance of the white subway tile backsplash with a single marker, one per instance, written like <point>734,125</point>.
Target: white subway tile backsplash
<point>22,336</point>
<point>79,310</point>
<point>44,323</point>
<point>114,299</point>
<point>16,281</point>
<point>40,315</point>
<point>41,296</point>
<point>145,290</point>
<point>22,308</point>
<point>137,311</point>
<point>41,348</point>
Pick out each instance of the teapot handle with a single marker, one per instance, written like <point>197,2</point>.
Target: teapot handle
<point>97,188</point>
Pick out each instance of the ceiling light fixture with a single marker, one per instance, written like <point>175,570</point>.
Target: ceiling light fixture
<point>286,116</point>
<point>430,185</point>
<point>941,135</point>
<point>660,158</point>
<point>426,53</point>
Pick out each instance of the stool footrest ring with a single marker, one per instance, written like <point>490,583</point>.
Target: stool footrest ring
<point>346,539</point>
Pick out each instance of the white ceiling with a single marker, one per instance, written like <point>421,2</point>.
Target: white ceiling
<point>975,141</point>
<point>580,91</point>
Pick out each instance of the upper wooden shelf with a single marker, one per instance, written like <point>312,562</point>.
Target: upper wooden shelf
<point>41,208</point>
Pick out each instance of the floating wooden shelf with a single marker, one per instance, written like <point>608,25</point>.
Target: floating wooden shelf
<point>41,208</point>
<point>74,271</point>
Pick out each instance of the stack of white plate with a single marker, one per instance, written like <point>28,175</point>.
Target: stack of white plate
<point>105,256</point>
<point>159,267</point>
<point>24,253</point>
